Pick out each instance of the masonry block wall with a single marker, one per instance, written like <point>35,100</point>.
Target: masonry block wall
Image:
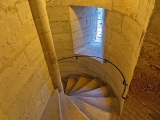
<point>143,99</point>
<point>59,19</point>
<point>106,72</point>
<point>25,83</point>
<point>83,25</point>
<point>126,23</point>
<point>124,35</point>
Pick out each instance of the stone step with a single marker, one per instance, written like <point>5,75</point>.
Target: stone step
<point>106,104</point>
<point>72,80</point>
<point>52,111</point>
<point>90,86</point>
<point>83,80</point>
<point>92,112</point>
<point>99,92</point>
<point>69,110</point>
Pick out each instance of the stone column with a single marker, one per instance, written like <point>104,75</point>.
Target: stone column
<point>39,13</point>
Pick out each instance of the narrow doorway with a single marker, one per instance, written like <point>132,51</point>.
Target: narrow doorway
<point>88,30</point>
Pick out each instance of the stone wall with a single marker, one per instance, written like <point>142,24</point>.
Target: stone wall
<point>59,19</point>
<point>25,83</point>
<point>143,97</point>
<point>125,26</point>
<point>83,25</point>
<point>125,30</point>
<point>86,65</point>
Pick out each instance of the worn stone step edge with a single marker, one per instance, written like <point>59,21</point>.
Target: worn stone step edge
<point>112,108</point>
<point>52,109</point>
<point>90,114</point>
<point>63,98</point>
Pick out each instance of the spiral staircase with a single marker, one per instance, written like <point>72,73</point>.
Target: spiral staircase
<point>83,98</point>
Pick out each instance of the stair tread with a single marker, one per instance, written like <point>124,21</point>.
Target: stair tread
<point>106,104</point>
<point>70,84</point>
<point>99,92</point>
<point>69,110</point>
<point>52,110</point>
<point>92,112</point>
<point>83,80</point>
<point>90,86</point>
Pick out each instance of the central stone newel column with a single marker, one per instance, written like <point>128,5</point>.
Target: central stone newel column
<point>39,13</point>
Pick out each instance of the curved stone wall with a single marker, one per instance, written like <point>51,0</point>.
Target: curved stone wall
<point>126,23</point>
<point>92,67</point>
<point>83,25</point>
<point>124,34</point>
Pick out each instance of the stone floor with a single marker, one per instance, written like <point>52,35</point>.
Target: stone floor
<point>95,47</point>
<point>92,49</point>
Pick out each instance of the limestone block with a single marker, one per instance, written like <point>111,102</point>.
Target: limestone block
<point>78,43</point>
<point>103,4</point>
<point>37,97</point>
<point>93,20</point>
<point>134,59</point>
<point>108,68</point>
<point>108,35</point>
<point>65,2</point>
<point>109,80</point>
<point>96,69</point>
<point>87,39</point>
<point>9,12</point>
<point>127,52</point>
<point>76,25</point>
<point>53,3</point>
<point>16,39</point>
<point>94,11</point>
<point>106,56</point>
<point>128,7</point>
<point>63,53</point>
<point>114,20</point>
<point>62,37</point>
<point>85,22</point>
<point>144,11</point>
<point>63,45</point>
<point>43,71</point>
<point>116,39</point>
<point>82,63</point>
<point>1,64</point>
<point>115,62</point>
<point>73,10</point>
<point>126,69</point>
<point>23,11</point>
<point>132,30</point>
<point>41,25</point>
<point>33,52</point>
<point>41,8</point>
<point>14,77</point>
<point>2,116</point>
<point>9,43</point>
<point>29,97</point>
<point>82,25</point>
<point>8,3</point>
<point>40,60</point>
<point>68,45</point>
<point>66,27</point>
<point>28,30</point>
<point>118,79</point>
<point>58,13</point>
<point>113,51</point>
<point>56,27</point>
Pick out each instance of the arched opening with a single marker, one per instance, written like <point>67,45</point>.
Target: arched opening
<point>87,24</point>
